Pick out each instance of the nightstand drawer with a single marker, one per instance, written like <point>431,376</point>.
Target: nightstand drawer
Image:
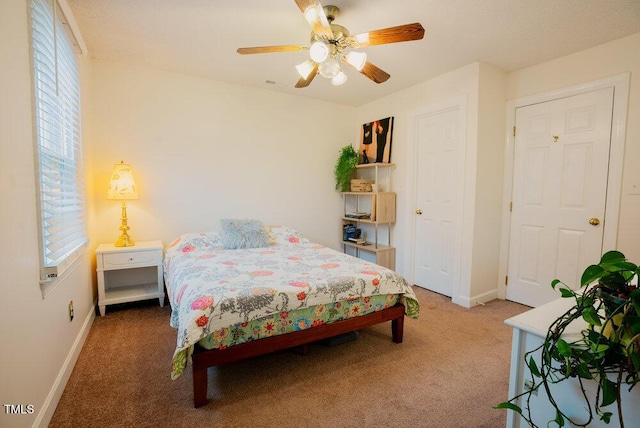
<point>130,259</point>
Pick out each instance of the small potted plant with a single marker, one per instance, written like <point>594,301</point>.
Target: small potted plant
<point>346,164</point>
<point>607,351</point>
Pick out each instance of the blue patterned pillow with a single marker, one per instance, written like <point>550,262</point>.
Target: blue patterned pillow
<point>243,234</point>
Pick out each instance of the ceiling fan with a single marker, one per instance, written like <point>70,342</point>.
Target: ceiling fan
<point>331,45</point>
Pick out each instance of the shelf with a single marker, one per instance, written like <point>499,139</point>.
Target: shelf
<point>369,247</point>
<point>383,207</point>
<point>364,193</point>
<point>365,220</point>
<point>131,293</point>
<point>375,164</point>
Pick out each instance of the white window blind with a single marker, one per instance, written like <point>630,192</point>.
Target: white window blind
<point>58,143</point>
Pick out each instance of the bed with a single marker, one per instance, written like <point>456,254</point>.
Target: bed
<point>231,301</point>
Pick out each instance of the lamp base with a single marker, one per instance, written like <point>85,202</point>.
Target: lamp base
<point>124,240</point>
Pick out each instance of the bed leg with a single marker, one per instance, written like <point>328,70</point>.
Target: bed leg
<point>397,329</point>
<point>199,387</point>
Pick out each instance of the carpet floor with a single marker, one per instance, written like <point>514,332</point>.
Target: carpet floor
<point>452,367</point>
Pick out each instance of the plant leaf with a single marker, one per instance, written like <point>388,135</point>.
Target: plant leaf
<point>612,256</point>
<point>598,347</point>
<point>591,274</point>
<point>555,282</point>
<point>624,266</point>
<point>564,348</point>
<point>609,391</point>
<point>533,367</point>
<point>590,315</point>
<point>583,371</point>
<point>635,299</point>
<point>559,419</point>
<point>566,292</point>
<point>606,417</point>
<point>635,360</point>
<point>633,322</point>
<point>510,406</point>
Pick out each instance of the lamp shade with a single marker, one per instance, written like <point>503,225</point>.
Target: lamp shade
<point>339,78</point>
<point>318,51</point>
<point>357,59</point>
<point>305,68</point>
<point>122,185</point>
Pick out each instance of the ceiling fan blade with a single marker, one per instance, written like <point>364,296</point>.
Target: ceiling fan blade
<point>303,83</point>
<point>401,33</point>
<point>271,49</point>
<point>374,73</point>
<point>315,16</point>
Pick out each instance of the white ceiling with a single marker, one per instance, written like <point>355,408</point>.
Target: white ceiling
<point>200,37</point>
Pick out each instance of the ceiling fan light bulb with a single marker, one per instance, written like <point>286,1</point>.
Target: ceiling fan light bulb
<point>329,68</point>
<point>339,78</point>
<point>318,51</point>
<point>357,59</point>
<point>305,68</point>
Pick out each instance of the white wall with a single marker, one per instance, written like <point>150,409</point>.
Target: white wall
<point>483,86</point>
<point>202,150</point>
<point>39,344</point>
<point>619,56</point>
<point>489,175</point>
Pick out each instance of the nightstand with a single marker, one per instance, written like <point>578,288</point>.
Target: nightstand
<point>129,274</point>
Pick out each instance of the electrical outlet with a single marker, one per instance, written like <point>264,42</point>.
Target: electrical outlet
<point>70,310</point>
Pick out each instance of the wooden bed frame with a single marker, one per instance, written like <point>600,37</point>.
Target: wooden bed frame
<point>203,359</point>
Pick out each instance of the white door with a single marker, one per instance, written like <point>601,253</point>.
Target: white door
<point>439,166</point>
<point>561,162</point>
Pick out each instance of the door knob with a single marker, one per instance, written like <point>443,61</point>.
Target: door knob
<point>594,221</point>
<point>419,212</point>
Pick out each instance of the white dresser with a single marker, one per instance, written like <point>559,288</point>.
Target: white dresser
<point>529,331</point>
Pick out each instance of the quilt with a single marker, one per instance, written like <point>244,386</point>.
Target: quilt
<point>212,289</point>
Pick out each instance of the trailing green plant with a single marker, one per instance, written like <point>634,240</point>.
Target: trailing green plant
<point>346,164</point>
<point>606,352</point>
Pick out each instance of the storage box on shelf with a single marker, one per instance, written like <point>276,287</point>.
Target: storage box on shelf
<point>361,185</point>
<point>373,212</point>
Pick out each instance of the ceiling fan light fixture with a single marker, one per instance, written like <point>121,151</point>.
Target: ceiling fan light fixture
<point>356,59</point>
<point>329,68</point>
<point>305,68</point>
<point>339,78</point>
<point>318,51</point>
<point>362,38</point>
<point>315,15</point>
<point>330,45</point>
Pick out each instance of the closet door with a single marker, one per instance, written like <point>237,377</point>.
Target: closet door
<point>561,167</point>
<point>438,139</point>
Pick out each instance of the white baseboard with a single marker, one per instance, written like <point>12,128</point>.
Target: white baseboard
<point>51,402</point>
<point>479,299</point>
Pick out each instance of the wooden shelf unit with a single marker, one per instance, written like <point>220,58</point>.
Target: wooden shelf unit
<point>382,207</point>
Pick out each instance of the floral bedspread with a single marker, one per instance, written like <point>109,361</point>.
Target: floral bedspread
<point>211,288</point>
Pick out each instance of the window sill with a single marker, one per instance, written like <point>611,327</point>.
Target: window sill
<point>48,285</point>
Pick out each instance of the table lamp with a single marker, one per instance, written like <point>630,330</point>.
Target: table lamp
<point>123,187</point>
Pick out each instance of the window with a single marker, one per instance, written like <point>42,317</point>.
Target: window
<point>59,174</point>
